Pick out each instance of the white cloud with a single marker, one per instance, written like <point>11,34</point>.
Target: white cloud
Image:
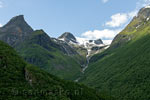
<point>82,40</point>
<point>117,20</point>
<point>107,35</point>
<point>101,34</point>
<point>107,41</point>
<point>104,1</point>
<point>1,25</point>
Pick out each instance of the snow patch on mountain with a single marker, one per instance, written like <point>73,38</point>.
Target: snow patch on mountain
<point>147,19</point>
<point>89,43</point>
<point>92,46</point>
<point>147,6</point>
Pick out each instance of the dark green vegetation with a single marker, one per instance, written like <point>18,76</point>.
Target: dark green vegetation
<point>123,70</point>
<point>22,81</point>
<point>37,48</point>
<point>42,51</point>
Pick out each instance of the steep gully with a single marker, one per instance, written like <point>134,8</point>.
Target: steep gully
<point>85,66</point>
<point>88,57</point>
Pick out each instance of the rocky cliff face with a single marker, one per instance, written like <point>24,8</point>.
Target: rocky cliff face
<point>144,13</point>
<point>68,37</point>
<point>64,47</point>
<point>16,30</point>
<point>41,38</point>
<point>97,42</point>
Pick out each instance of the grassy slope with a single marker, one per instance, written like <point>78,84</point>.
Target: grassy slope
<point>52,59</point>
<point>124,71</point>
<point>21,81</point>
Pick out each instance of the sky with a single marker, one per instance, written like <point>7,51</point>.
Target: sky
<point>86,19</point>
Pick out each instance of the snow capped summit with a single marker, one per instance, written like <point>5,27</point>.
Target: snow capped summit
<point>147,6</point>
<point>84,42</point>
<point>68,37</point>
<point>90,46</point>
<point>87,42</point>
<point>144,13</point>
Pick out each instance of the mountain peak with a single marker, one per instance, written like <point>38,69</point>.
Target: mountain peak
<point>129,33</point>
<point>19,17</point>
<point>17,22</point>
<point>98,41</point>
<point>16,29</point>
<point>40,31</point>
<point>67,37</point>
<point>148,6</point>
<point>144,12</point>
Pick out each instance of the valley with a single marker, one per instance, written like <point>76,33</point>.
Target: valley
<point>33,60</point>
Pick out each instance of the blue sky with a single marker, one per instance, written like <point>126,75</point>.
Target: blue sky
<point>91,19</point>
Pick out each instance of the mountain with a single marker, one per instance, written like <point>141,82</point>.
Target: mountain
<point>93,46</point>
<point>16,30</point>
<point>98,41</point>
<point>36,47</point>
<point>68,37</point>
<point>22,81</point>
<point>123,69</point>
<point>83,46</point>
<point>138,21</point>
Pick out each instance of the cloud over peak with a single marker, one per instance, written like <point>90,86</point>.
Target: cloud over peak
<point>119,19</point>
<point>101,34</point>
